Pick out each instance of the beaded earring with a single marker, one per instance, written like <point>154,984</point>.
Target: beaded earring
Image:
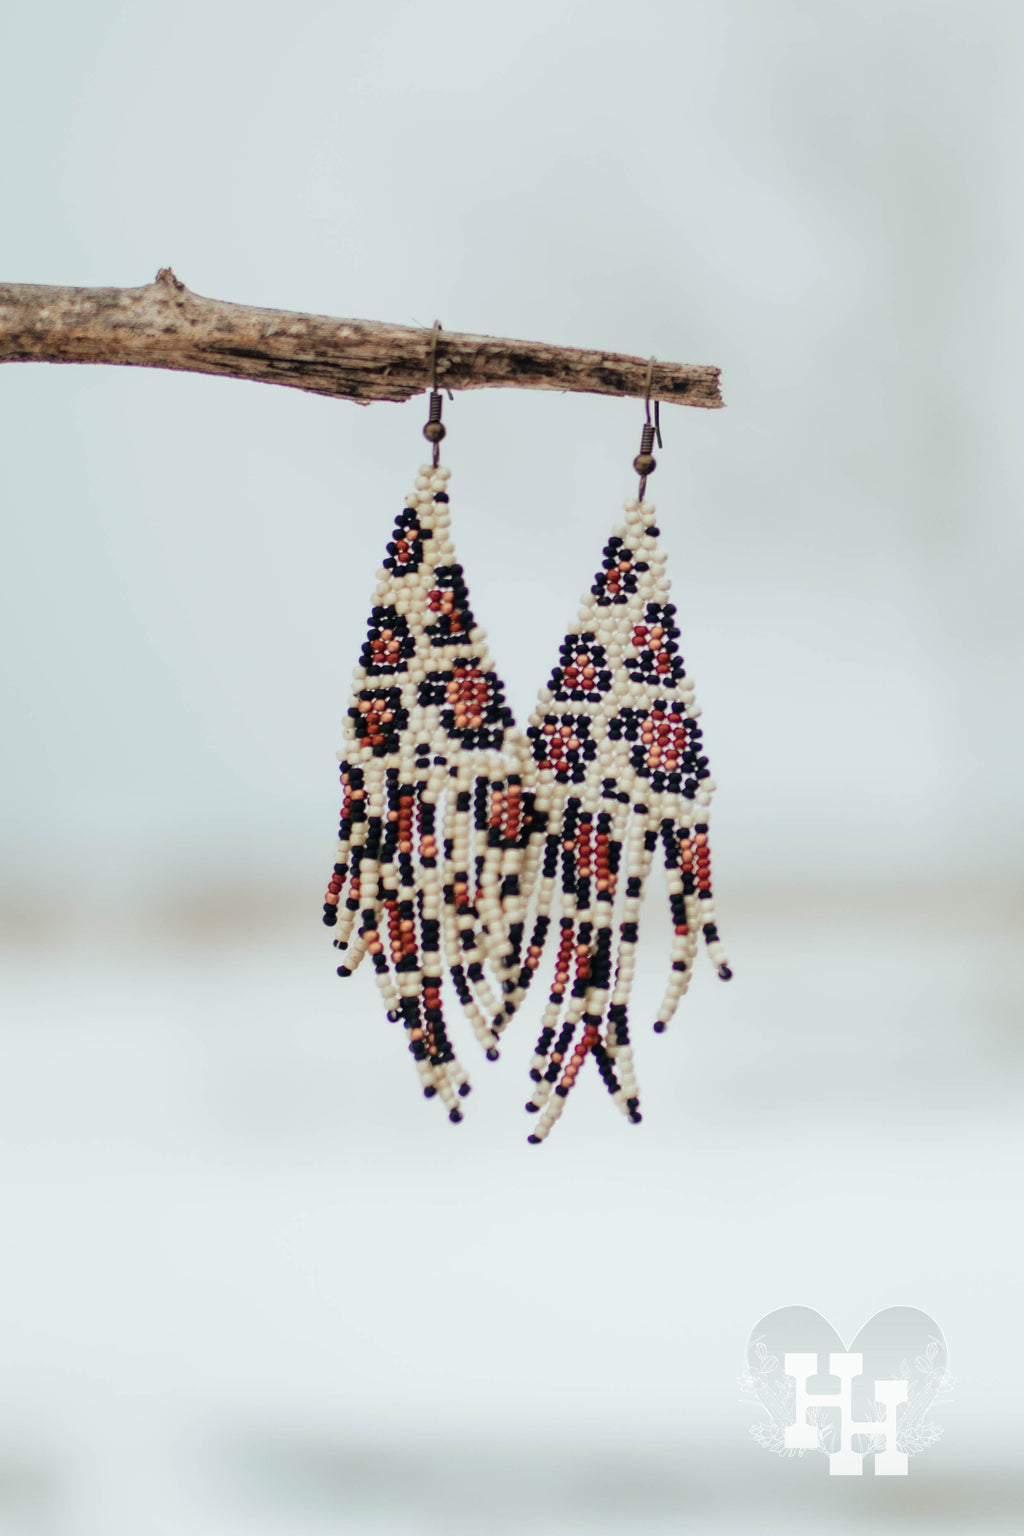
<point>620,768</point>
<point>435,815</point>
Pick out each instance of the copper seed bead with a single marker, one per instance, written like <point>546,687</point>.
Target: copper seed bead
<point>645,463</point>
<point>434,431</point>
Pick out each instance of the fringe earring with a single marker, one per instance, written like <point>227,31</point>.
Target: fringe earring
<point>435,816</point>
<point>621,769</point>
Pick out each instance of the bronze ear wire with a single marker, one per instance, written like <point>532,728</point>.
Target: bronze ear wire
<point>435,430</point>
<point>645,463</point>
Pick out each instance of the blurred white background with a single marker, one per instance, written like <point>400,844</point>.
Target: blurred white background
<point>250,1281</point>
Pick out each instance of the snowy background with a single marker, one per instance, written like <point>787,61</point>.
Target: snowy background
<point>250,1282</point>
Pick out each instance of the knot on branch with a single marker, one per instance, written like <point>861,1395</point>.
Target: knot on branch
<point>168,279</point>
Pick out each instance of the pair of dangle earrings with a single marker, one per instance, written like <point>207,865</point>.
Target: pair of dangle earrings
<point>464,842</point>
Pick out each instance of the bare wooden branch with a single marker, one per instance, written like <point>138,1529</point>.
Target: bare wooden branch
<point>164,325</point>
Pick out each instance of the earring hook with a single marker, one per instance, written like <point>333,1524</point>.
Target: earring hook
<point>435,429</point>
<point>437,327</point>
<point>645,463</point>
<point>433,356</point>
<point>657,404</point>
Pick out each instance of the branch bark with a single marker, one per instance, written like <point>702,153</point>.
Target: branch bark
<point>164,325</point>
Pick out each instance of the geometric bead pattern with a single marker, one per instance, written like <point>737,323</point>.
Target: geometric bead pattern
<point>448,599</point>
<point>583,670</point>
<point>562,746</point>
<point>388,642</point>
<point>653,657</point>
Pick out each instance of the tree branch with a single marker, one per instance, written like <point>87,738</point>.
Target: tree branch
<point>164,325</point>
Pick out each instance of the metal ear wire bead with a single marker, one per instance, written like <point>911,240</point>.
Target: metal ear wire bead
<point>435,429</point>
<point>645,463</point>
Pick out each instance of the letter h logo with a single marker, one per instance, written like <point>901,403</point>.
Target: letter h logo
<point>846,1462</point>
